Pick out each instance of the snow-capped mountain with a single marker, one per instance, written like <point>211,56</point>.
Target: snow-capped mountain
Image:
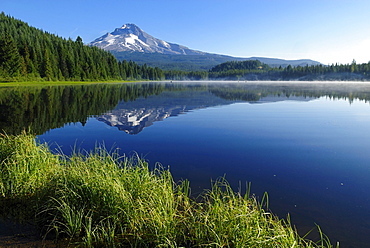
<point>132,39</point>
<point>129,42</point>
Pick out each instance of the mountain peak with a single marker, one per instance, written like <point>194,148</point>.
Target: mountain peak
<point>129,26</point>
<point>132,39</point>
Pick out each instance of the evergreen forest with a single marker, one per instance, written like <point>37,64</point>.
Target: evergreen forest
<point>255,70</point>
<point>252,70</point>
<point>30,54</point>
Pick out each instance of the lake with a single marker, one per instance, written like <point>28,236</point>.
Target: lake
<point>307,144</point>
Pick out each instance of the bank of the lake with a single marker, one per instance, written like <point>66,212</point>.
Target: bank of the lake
<point>103,200</point>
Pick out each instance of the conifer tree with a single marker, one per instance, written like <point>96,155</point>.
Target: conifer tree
<point>10,60</point>
<point>47,71</point>
<point>33,53</point>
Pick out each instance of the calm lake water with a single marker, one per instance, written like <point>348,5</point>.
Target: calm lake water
<point>306,144</point>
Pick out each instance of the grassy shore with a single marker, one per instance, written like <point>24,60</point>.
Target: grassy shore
<point>103,200</point>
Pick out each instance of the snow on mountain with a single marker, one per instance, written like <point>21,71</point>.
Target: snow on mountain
<point>131,38</point>
<point>129,42</point>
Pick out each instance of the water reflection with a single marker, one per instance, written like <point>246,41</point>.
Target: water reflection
<point>39,109</point>
<point>132,107</point>
<point>308,148</point>
<point>133,117</point>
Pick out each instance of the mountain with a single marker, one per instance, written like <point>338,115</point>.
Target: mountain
<point>31,54</point>
<point>131,38</point>
<point>129,42</point>
<point>273,62</point>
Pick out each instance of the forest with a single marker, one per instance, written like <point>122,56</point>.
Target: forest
<point>30,54</point>
<point>252,70</point>
<point>255,70</point>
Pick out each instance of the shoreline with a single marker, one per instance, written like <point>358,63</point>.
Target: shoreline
<point>267,82</point>
<point>274,82</point>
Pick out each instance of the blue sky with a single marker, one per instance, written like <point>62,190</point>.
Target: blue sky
<point>328,31</point>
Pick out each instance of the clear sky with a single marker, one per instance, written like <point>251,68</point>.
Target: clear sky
<point>328,31</point>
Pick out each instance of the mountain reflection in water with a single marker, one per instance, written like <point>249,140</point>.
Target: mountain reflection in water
<point>41,108</point>
<point>133,117</point>
<point>133,121</point>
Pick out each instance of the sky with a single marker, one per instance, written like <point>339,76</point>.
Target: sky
<point>328,31</point>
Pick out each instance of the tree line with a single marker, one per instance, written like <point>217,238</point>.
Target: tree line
<point>256,70</point>
<point>30,54</point>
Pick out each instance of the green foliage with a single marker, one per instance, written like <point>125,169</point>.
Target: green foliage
<point>169,62</point>
<point>240,65</point>
<point>255,70</point>
<point>204,62</point>
<point>103,200</point>
<point>30,54</point>
<point>10,60</point>
<point>27,54</point>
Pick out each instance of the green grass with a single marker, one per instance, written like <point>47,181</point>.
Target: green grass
<point>103,200</point>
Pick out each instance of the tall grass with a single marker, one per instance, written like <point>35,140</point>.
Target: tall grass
<point>26,170</point>
<point>100,199</point>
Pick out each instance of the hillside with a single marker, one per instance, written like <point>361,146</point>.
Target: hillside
<point>30,54</point>
<point>175,62</point>
<point>199,62</point>
<point>131,43</point>
<point>253,70</point>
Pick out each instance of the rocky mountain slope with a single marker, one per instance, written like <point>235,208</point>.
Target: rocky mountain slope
<point>130,38</point>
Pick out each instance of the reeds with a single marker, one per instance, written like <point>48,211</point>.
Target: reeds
<point>100,199</point>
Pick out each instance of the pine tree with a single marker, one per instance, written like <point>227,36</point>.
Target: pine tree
<point>33,53</point>
<point>47,71</point>
<point>10,60</point>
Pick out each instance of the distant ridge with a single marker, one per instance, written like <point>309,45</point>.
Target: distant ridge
<point>129,42</point>
<point>274,62</point>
